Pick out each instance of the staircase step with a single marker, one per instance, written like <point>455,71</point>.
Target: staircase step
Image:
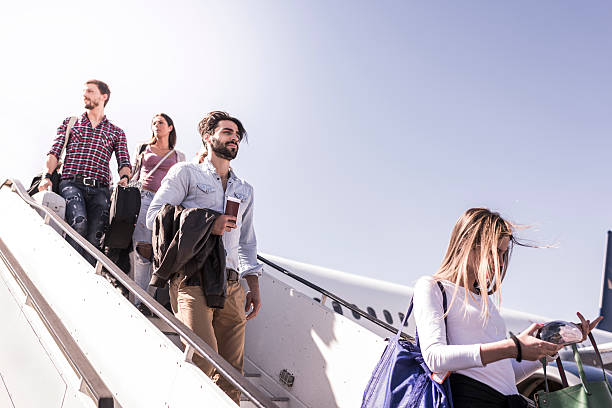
<point>280,402</point>
<point>167,330</point>
<point>252,375</point>
<point>280,394</point>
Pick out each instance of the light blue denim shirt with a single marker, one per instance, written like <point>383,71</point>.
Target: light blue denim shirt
<point>199,186</point>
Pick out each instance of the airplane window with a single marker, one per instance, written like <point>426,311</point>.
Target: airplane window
<point>356,315</point>
<point>337,307</point>
<point>401,316</point>
<point>388,317</point>
<point>371,311</point>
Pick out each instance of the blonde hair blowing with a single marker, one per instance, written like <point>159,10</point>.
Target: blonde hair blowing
<point>473,246</point>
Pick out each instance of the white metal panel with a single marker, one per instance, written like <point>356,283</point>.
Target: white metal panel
<point>381,295</point>
<point>27,370</point>
<point>136,361</point>
<point>188,391</point>
<point>331,357</point>
<point>76,399</point>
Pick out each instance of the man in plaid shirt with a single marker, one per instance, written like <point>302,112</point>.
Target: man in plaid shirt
<point>86,173</point>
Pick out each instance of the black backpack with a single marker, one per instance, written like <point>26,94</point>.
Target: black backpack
<point>124,209</point>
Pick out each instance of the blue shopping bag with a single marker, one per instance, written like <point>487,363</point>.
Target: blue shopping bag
<point>401,378</point>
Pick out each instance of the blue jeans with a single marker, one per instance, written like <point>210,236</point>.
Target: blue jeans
<point>143,235</point>
<point>87,211</point>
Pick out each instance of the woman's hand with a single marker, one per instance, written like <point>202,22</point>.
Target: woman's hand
<point>534,349</point>
<point>586,326</point>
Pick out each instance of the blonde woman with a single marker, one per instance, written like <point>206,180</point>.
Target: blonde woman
<point>485,365</point>
<point>153,160</point>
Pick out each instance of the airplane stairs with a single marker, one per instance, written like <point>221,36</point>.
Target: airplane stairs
<point>72,340</point>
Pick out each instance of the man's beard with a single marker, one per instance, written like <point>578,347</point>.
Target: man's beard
<point>222,151</point>
<point>89,104</point>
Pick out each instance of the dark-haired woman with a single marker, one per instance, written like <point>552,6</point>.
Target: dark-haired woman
<point>153,160</point>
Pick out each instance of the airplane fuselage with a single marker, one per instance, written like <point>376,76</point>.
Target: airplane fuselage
<point>384,300</point>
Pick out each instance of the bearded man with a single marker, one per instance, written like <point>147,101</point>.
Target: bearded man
<point>86,174</point>
<point>208,184</point>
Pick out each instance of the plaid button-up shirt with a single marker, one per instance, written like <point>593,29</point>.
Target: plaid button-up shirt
<point>89,150</point>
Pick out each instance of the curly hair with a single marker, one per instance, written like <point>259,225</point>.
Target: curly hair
<point>210,122</point>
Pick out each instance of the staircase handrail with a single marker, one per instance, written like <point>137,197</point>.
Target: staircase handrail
<point>332,296</point>
<point>194,342</point>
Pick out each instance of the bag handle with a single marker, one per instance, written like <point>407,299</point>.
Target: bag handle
<point>578,361</point>
<point>561,373</point>
<point>598,355</point>
<point>69,126</point>
<point>409,312</point>
<point>581,369</point>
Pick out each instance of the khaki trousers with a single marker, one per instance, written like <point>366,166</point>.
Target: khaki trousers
<point>222,329</point>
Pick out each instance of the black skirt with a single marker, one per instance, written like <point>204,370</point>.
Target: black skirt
<point>470,393</point>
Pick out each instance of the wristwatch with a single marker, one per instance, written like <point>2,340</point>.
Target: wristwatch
<point>47,176</point>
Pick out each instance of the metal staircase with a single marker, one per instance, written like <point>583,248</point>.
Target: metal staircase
<point>124,349</point>
<point>298,353</point>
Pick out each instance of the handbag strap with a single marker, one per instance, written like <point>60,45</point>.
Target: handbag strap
<point>159,163</point>
<point>581,369</point>
<point>69,126</point>
<point>578,361</point>
<point>598,355</point>
<point>409,312</point>
<point>138,163</point>
<point>444,307</point>
<point>561,373</point>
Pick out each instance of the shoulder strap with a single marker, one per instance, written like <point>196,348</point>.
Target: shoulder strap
<point>444,307</point>
<point>138,161</point>
<point>409,312</point>
<point>69,126</point>
<point>159,163</point>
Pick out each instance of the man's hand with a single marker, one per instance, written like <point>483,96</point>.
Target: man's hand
<point>50,164</point>
<point>124,176</point>
<point>253,299</point>
<point>223,223</point>
<point>45,184</point>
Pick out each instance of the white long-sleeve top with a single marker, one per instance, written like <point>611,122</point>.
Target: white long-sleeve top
<point>466,333</point>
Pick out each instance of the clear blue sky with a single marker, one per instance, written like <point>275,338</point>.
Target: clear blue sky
<point>373,125</point>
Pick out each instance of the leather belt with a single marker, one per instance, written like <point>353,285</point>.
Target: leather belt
<point>232,275</point>
<point>87,181</point>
